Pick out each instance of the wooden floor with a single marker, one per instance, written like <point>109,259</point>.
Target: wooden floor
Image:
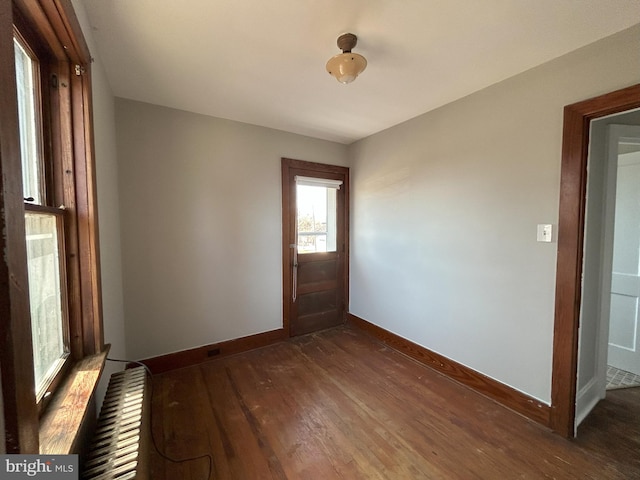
<point>338,404</point>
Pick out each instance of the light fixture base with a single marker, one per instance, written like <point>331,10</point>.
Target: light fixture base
<point>346,42</point>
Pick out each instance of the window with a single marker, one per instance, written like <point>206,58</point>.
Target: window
<point>47,297</point>
<point>317,215</point>
<point>29,108</point>
<point>50,306</point>
<point>44,228</point>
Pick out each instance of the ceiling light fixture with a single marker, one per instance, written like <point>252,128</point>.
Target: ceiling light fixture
<point>346,66</point>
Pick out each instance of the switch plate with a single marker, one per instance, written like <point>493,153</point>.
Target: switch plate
<point>545,232</point>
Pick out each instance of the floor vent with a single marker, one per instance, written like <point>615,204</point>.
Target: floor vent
<point>119,449</point>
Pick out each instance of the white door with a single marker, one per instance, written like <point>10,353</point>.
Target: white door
<point>624,319</point>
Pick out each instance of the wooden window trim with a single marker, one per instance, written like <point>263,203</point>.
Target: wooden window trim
<point>29,39</point>
<point>56,23</point>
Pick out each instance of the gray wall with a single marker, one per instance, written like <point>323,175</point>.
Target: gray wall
<point>201,225</point>
<point>444,215</point>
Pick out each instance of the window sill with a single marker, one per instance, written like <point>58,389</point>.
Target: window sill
<point>62,423</point>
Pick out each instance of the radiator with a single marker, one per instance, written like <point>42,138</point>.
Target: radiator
<point>119,449</point>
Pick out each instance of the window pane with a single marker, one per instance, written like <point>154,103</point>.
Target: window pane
<point>26,70</point>
<point>316,219</point>
<point>45,295</point>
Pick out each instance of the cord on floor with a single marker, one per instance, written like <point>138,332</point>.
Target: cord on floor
<point>153,439</point>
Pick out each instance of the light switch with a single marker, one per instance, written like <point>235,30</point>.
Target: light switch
<point>544,232</point>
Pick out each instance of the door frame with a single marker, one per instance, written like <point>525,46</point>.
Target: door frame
<point>571,222</point>
<point>288,229</point>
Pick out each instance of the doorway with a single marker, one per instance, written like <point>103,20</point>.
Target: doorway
<point>610,284</point>
<point>571,225</point>
<point>623,349</point>
<point>315,247</point>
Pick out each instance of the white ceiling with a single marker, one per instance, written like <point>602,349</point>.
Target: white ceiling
<point>263,61</point>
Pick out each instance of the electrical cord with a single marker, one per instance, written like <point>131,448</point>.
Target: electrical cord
<point>153,438</point>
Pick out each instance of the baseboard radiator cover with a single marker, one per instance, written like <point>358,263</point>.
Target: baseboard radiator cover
<point>120,446</point>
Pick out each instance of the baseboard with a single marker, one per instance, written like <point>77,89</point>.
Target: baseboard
<point>503,394</point>
<point>194,356</point>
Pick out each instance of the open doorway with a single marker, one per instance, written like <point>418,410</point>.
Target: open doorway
<point>608,339</point>
<point>623,349</point>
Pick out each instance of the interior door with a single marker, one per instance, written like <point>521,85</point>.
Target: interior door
<point>609,307</point>
<point>624,319</point>
<point>315,245</point>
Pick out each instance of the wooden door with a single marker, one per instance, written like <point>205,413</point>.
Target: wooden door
<point>315,199</point>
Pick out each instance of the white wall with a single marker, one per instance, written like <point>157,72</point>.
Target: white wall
<point>444,215</point>
<point>108,205</point>
<point>201,225</point>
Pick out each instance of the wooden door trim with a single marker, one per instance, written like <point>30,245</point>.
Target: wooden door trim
<point>288,165</point>
<point>573,186</point>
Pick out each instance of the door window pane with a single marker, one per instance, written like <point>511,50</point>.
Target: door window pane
<point>316,218</point>
<point>45,296</point>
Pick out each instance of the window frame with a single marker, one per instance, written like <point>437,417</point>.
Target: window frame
<point>54,26</point>
<point>42,58</point>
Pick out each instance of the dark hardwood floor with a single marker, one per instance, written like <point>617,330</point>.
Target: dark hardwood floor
<point>338,404</point>
<point>612,430</point>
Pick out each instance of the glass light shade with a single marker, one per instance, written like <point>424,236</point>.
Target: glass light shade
<point>346,66</point>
